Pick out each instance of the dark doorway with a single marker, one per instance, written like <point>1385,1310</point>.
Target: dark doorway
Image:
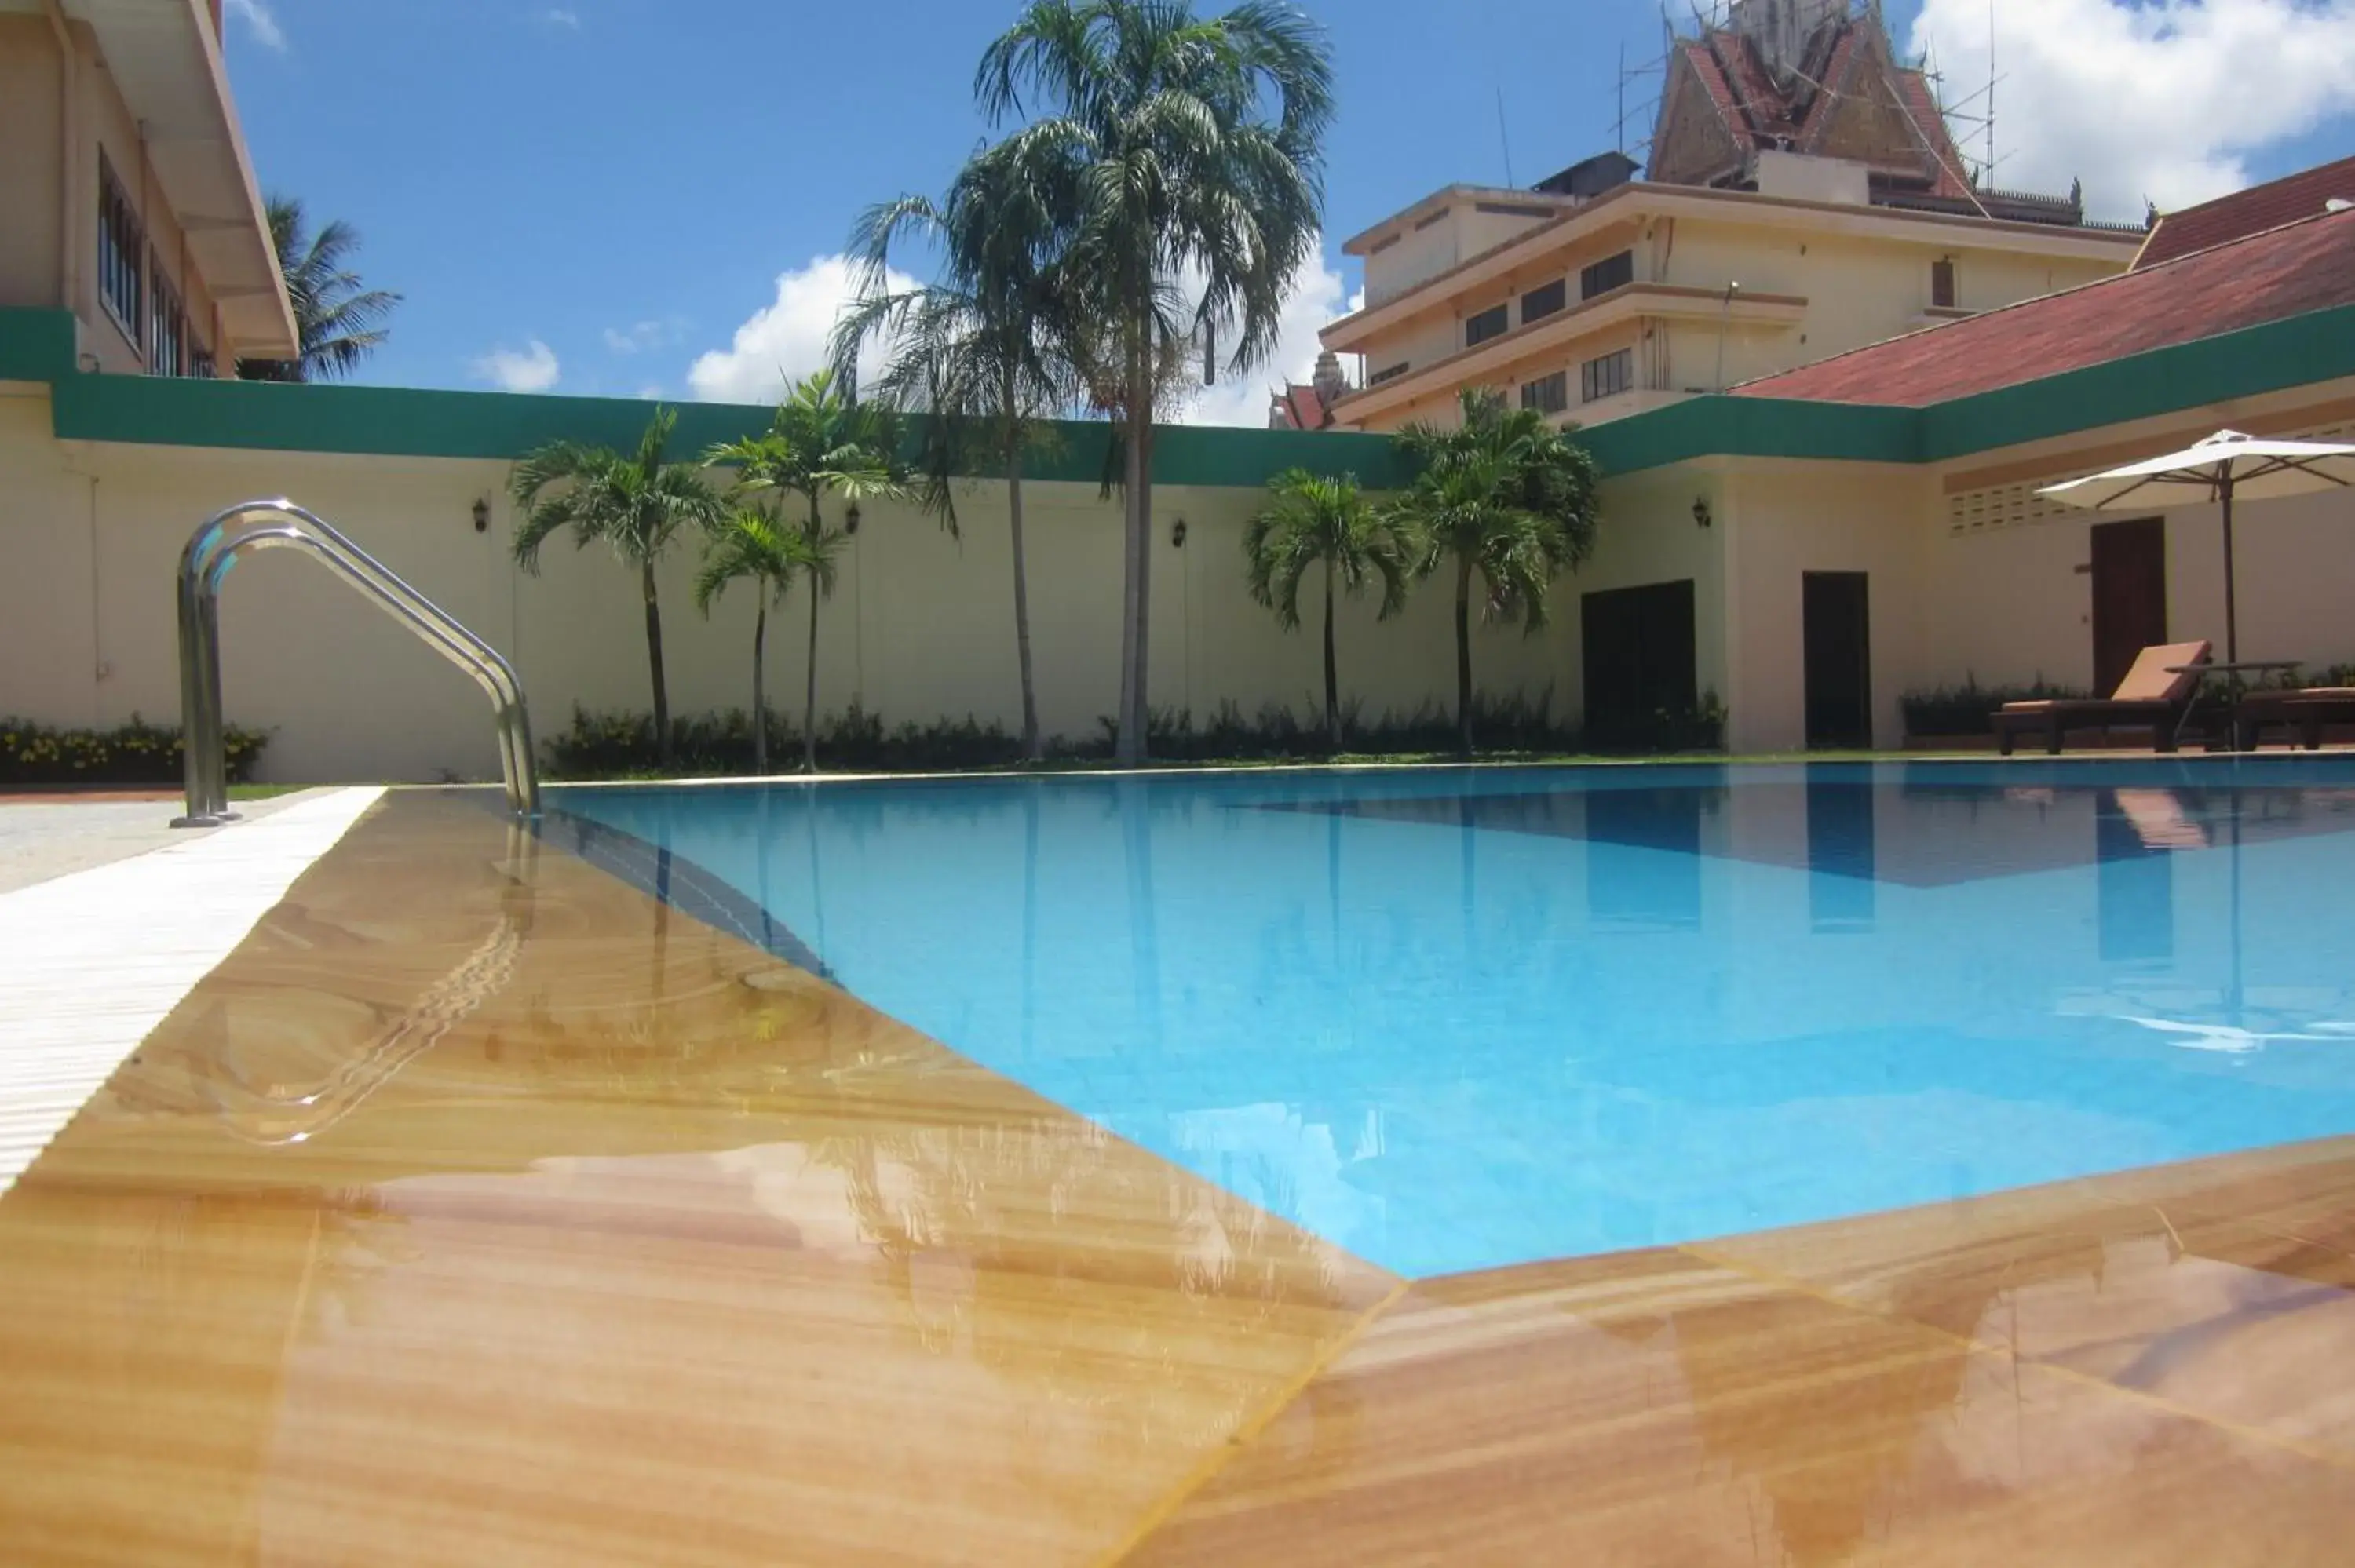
<point>1838,634</point>
<point>1642,683</point>
<point>2129,596</point>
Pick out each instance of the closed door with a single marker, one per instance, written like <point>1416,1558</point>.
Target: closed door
<point>1839,639</point>
<point>1642,675</point>
<point>2129,596</point>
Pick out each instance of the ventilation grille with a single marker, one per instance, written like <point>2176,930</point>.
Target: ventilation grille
<point>2009,505</point>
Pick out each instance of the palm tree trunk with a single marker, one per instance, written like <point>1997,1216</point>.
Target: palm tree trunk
<point>1463,653</point>
<point>809,694</point>
<point>1332,676</point>
<point>1135,589</point>
<point>1031,748</point>
<point>655,663</point>
<point>760,689</point>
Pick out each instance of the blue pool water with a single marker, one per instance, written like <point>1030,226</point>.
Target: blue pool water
<point>1455,1019</point>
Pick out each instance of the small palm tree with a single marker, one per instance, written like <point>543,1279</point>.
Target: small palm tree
<point>337,323</point>
<point>752,546</point>
<point>983,352</point>
<point>820,444</point>
<point>1183,159</point>
<point>635,502</point>
<point>1315,521</point>
<point>1504,496</point>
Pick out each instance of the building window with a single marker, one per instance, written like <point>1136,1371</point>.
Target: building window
<point>121,244</point>
<point>1547,395</point>
<point>1513,209</point>
<point>1611,273</point>
<point>1607,376</point>
<point>1942,284</point>
<point>168,326</point>
<point>202,365</point>
<point>1390,372</point>
<point>1488,323</point>
<point>1539,304</point>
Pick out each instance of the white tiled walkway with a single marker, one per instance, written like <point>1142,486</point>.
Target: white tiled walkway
<point>91,962</point>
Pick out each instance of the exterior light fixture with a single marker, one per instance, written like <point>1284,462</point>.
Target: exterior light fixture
<point>1178,534</point>
<point>1701,515</point>
<point>850,518</point>
<point>482,515</point>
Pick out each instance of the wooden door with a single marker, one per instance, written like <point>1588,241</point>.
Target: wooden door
<point>1837,631</point>
<point>2129,596</point>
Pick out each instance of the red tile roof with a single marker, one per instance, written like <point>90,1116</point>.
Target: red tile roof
<point>1921,108</point>
<point>1302,409</point>
<point>2306,266</point>
<point>2251,211</point>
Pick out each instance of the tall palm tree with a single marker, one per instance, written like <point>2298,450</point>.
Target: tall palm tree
<point>983,350</point>
<point>751,546</point>
<point>337,323</point>
<point>1314,521</point>
<point>820,443</point>
<point>1507,497</point>
<point>1184,158</point>
<point>636,502</point>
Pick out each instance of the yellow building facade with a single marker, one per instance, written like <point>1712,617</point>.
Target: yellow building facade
<point>128,197</point>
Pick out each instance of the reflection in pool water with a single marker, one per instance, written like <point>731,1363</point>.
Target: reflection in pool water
<point>1455,1020</point>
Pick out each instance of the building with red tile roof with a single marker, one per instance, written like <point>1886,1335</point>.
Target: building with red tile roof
<point>2307,194</point>
<point>2244,283</point>
<point>1812,78</point>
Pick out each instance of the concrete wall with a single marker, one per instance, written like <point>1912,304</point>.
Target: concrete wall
<point>920,626</point>
<point>2013,605</point>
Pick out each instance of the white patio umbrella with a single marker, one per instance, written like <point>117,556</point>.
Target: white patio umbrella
<point>2227,464</point>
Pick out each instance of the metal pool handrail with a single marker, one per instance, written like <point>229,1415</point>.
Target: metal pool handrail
<point>214,548</point>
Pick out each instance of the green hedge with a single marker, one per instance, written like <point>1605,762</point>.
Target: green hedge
<point>136,753</point>
<point>622,745</point>
<point>1969,709</point>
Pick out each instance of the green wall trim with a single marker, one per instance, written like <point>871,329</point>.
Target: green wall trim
<point>38,345</point>
<point>2298,351</point>
<point>1719,426</point>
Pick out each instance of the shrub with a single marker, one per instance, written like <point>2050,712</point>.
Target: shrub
<point>609,745</point>
<point>1969,709</point>
<point>135,753</point>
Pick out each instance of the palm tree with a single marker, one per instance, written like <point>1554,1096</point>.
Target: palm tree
<point>1509,497</point>
<point>984,351</point>
<point>1313,521</point>
<point>337,323</point>
<point>635,502</point>
<point>1184,159</point>
<point>752,546</point>
<point>820,443</point>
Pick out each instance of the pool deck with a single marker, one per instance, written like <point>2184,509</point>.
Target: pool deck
<point>478,1208</point>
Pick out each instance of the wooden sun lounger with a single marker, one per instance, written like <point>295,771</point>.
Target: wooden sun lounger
<point>2303,712</point>
<point>2157,694</point>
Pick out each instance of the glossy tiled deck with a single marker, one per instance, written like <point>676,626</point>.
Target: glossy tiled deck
<point>479,1209</point>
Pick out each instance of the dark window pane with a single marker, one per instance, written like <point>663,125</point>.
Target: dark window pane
<point>1479,329</point>
<point>1611,273</point>
<point>1539,304</point>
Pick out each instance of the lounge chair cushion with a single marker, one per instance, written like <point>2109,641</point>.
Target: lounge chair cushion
<point>2162,676</point>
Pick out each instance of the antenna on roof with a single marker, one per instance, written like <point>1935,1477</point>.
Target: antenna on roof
<point>1503,137</point>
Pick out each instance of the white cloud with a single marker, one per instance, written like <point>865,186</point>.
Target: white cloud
<point>2162,100</point>
<point>787,339</point>
<point>259,20</point>
<point>643,336</point>
<point>1318,295</point>
<point>532,368</point>
<point>559,17</point>
<point>650,393</point>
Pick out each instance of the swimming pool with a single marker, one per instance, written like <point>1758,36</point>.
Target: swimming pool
<point>1462,1018</point>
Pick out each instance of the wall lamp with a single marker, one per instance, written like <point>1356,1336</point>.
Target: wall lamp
<point>850,518</point>
<point>482,515</point>
<point>1178,534</point>
<point>1703,516</point>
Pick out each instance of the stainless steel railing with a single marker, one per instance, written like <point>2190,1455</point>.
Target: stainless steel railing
<point>214,548</point>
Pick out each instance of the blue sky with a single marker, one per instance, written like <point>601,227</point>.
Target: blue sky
<point>593,197</point>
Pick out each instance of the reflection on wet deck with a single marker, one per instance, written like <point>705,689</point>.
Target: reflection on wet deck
<point>482,1210</point>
